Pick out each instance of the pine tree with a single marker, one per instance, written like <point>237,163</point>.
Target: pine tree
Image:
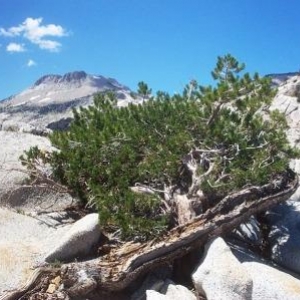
<point>143,90</point>
<point>209,141</point>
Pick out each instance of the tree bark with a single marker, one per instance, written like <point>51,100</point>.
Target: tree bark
<point>122,266</point>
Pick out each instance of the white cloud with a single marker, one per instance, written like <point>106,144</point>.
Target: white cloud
<point>31,63</point>
<point>33,30</point>
<point>14,47</point>
<point>49,45</point>
<point>12,31</point>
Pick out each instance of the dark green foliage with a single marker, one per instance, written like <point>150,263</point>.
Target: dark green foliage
<point>143,90</point>
<point>107,150</point>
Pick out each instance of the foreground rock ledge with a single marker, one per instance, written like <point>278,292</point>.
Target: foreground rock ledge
<point>122,266</point>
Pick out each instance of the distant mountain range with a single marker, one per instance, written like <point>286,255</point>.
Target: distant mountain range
<point>48,103</point>
<point>279,78</point>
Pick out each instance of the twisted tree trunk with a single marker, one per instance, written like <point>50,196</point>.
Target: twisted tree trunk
<point>122,266</point>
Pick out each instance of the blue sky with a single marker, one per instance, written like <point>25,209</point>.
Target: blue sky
<point>165,43</point>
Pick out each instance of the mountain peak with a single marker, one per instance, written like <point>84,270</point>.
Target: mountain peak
<point>48,104</point>
<point>50,78</point>
<point>74,76</point>
<point>66,78</point>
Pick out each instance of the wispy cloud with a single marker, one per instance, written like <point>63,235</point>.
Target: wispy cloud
<point>15,47</point>
<point>33,30</point>
<point>12,31</point>
<point>31,63</point>
<point>53,46</point>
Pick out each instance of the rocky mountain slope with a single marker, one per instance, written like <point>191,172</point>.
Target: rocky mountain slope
<point>48,103</point>
<point>287,100</point>
<point>280,78</point>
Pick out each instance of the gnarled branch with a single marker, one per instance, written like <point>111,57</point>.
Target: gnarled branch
<point>122,266</point>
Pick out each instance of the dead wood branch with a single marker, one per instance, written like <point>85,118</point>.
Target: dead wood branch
<point>122,266</point>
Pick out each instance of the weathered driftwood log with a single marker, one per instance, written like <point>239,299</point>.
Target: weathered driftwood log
<point>123,265</point>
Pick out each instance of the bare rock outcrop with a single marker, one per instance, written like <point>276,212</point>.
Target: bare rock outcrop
<point>284,222</point>
<point>23,242</point>
<point>220,276</point>
<point>78,241</point>
<point>224,275</point>
<point>171,291</point>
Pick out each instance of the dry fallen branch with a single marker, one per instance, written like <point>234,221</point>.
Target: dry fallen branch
<point>122,266</point>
